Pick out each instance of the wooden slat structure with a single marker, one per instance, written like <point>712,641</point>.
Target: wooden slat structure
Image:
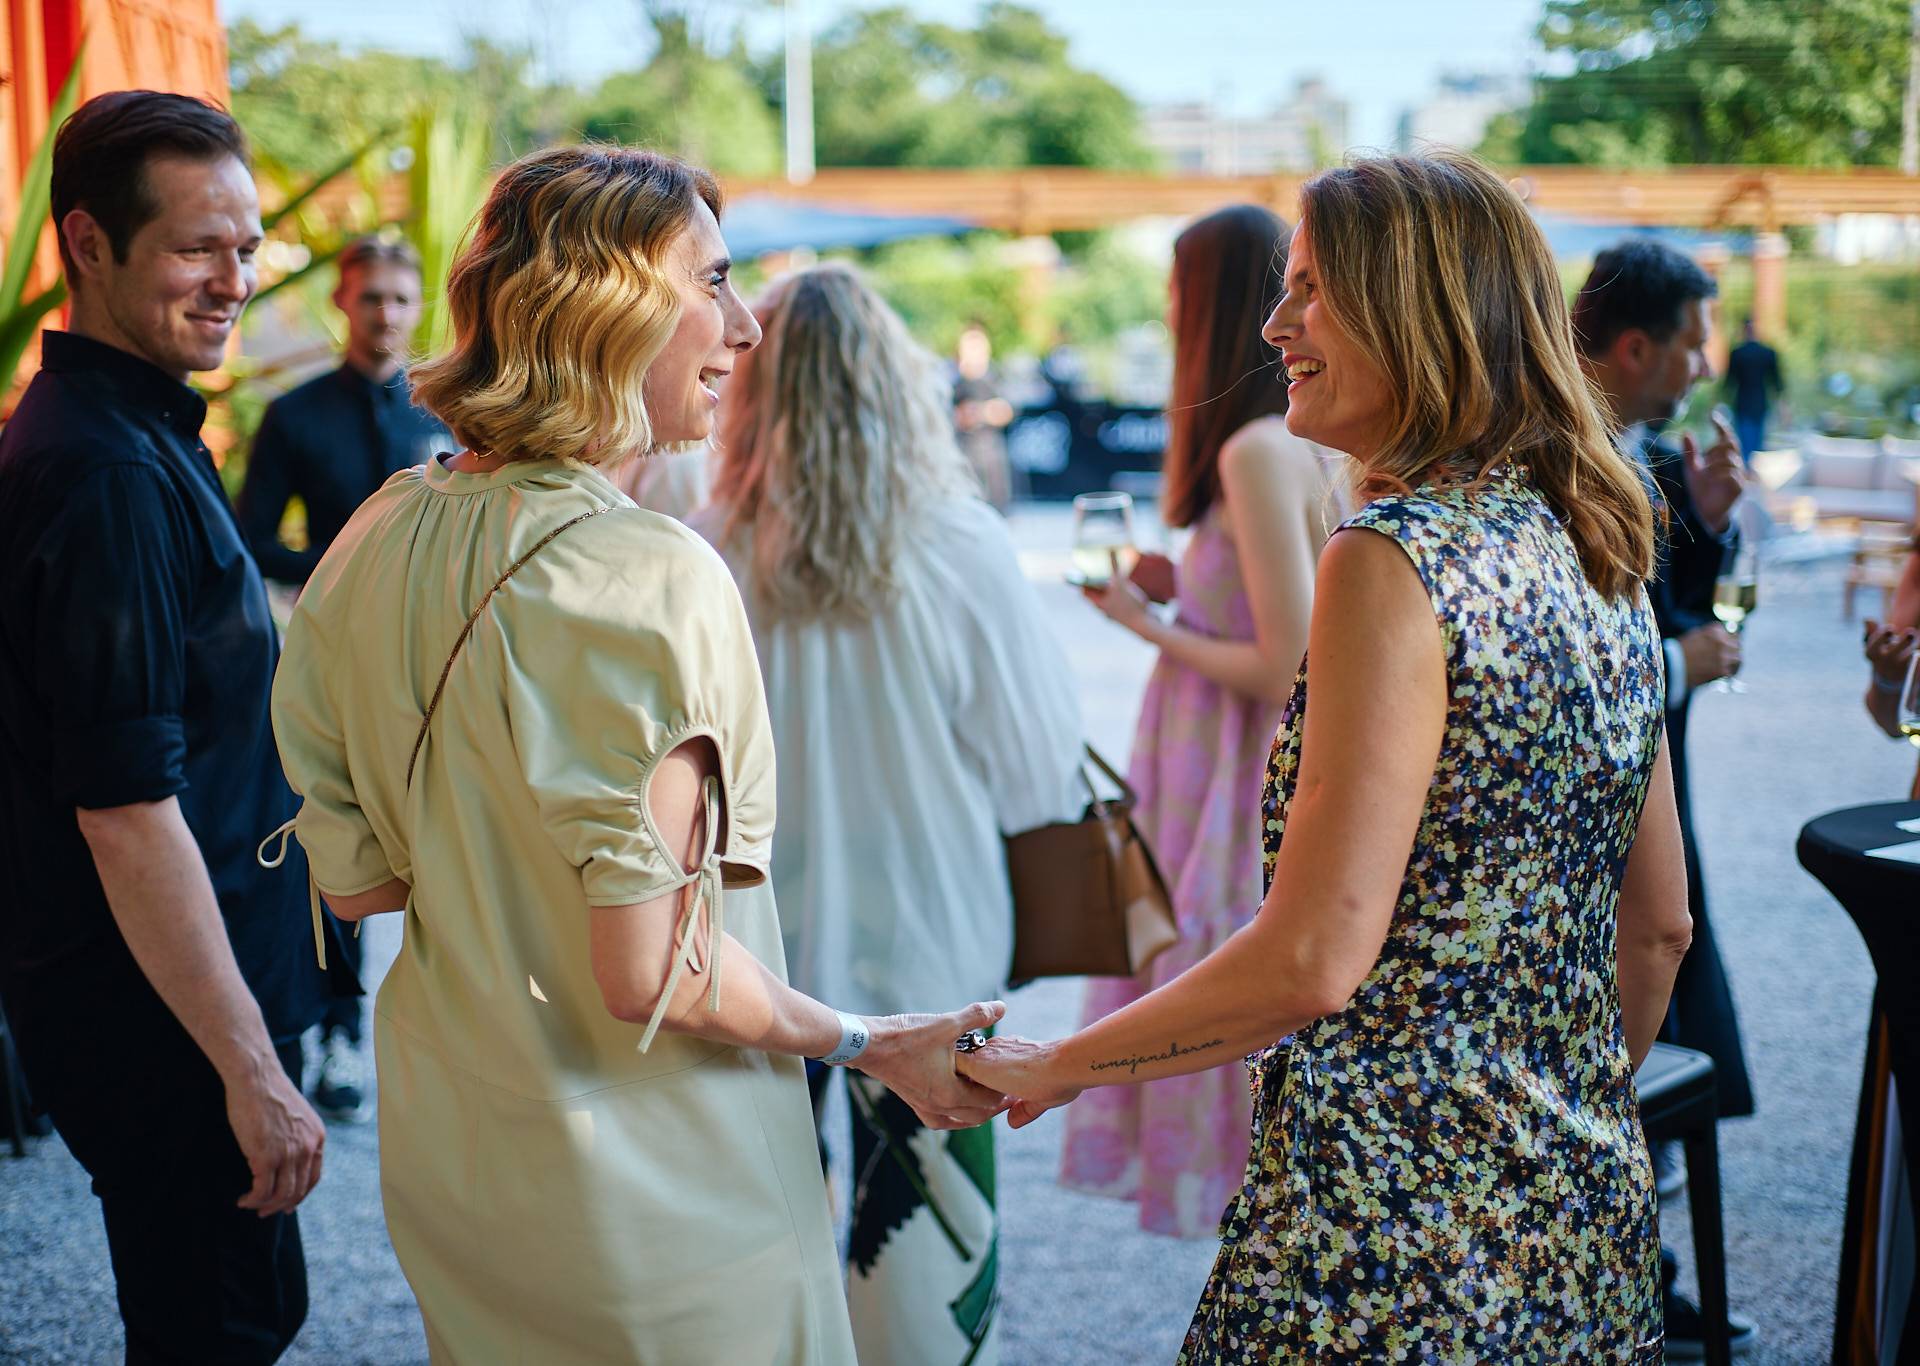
<point>1767,198</point>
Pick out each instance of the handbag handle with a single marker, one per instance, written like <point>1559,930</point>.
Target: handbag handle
<point>421,737</point>
<point>1127,796</point>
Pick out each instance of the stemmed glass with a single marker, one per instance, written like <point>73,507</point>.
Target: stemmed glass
<point>1907,715</point>
<point>1103,542</point>
<point>1736,595</point>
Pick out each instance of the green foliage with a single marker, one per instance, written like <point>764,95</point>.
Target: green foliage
<point>1658,82</point>
<point>940,285</point>
<point>689,102</point>
<point>1863,320</point>
<point>447,182</point>
<point>304,102</point>
<point>1108,290</point>
<point>891,89</point>
<point>20,316</point>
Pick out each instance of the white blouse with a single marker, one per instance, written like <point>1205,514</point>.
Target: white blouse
<point>907,747</point>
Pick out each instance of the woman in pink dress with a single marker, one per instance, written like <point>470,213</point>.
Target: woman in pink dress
<point>1261,503</point>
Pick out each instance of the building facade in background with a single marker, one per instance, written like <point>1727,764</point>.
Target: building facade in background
<point>1304,132</point>
<point>1459,110</point>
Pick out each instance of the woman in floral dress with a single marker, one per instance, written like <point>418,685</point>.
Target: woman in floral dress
<point>1261,502</point>
<point>1476,900</point>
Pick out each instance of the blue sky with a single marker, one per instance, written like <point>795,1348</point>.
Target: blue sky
<point>1243,55</point>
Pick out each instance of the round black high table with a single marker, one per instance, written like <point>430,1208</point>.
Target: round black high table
<point>1877,1311</point>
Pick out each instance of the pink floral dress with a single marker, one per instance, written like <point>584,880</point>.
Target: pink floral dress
<point>1179,1146</point>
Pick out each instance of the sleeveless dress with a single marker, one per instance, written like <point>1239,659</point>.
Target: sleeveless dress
<point>560,1189</point>
<point>1451,1169</point>
<point>1179,1145</point>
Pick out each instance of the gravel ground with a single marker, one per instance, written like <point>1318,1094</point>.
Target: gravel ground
<point>1082,1284</point>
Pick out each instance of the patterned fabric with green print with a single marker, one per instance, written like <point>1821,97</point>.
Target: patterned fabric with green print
<point>923,1257</point>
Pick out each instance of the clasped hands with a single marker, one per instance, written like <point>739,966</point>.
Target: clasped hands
<point>914,1057</point>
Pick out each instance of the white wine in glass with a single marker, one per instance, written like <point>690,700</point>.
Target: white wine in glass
<point>1736,596</point>
<point>1102,539</point>
<point>1908,716</point>
<point>1733,599</point>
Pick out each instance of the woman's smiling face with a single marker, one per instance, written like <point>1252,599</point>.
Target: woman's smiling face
<point>683,383</point>
<point>1336,396</point>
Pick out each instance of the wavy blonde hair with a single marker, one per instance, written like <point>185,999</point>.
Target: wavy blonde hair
<point>840,431</point>
<point>559,304</point>
<point>1435,270</point>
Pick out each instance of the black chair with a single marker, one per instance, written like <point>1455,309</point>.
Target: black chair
<point>1677,1103</point>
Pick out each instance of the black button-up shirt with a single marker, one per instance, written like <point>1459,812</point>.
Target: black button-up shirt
<point>331,443</point>
<point>136,658</point>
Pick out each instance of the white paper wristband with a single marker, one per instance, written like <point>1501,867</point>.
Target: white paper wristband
<point>853,1039</point>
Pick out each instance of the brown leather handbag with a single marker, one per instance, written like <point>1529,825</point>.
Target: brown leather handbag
<point>1088,899</point>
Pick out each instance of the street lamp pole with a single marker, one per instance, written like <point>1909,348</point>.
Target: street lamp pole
<point>799,102</point>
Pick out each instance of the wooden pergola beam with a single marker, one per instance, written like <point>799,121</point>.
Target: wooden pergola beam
<point>1039,200</point>
<point>1766,198</point>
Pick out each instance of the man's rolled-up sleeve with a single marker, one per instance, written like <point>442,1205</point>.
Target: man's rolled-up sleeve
<point>111,575</point>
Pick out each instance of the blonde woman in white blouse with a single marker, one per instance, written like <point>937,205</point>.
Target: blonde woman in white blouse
<point>921,710</point>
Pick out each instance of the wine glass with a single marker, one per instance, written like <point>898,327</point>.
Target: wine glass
<point>1907,715</point>
<point>1102,539</point>
<point>1736,595</point>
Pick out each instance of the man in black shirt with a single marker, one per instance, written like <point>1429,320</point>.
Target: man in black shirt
<point>157,978</point>
<point>1641,323</point>
<point>335,439</point>
<point>331,443</point>
<point>1753,376</point>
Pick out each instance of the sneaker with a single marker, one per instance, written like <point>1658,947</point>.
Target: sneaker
<point>341,1091</point>
<point>1687,1331</point>
<point>1669,1172</point>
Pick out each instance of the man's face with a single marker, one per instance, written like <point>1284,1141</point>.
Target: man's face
<point>188,273</point>
<point>1664,372</point>
<point>381,300</point>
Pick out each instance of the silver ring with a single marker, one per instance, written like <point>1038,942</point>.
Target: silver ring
<point>970,1042</point>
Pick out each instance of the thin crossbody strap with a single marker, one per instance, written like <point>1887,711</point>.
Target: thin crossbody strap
<point>473,617</point>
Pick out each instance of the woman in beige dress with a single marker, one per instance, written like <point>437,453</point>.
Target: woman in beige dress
<point>528,714</point>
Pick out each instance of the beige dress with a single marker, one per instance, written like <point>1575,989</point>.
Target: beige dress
<point>554,1193</point>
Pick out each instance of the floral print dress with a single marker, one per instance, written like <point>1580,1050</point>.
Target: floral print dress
<point>1452,1169</point>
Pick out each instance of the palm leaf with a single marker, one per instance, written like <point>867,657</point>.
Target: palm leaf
<point>36,201</point>
<point>447,182</point>
<point>18,325</point>
<point>320,181</point>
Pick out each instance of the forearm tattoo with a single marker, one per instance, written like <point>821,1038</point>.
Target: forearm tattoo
<point>1175,1049</point>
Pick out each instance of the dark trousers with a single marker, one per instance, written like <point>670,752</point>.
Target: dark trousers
<point>1702,1014</point>
<point>201,1282</point>
<point>345,1014</point>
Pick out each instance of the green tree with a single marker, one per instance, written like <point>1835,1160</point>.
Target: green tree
<point>891,89</point>
<point>305,102</point>
<point>940,285</point>
<point>690,101</point>
<point>1656,82</point>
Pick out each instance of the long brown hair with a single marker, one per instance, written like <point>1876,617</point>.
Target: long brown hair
<point>1433,267</point>
<point>1227,270</point>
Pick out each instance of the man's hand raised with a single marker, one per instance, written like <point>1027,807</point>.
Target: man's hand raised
<point>1716,477</point>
